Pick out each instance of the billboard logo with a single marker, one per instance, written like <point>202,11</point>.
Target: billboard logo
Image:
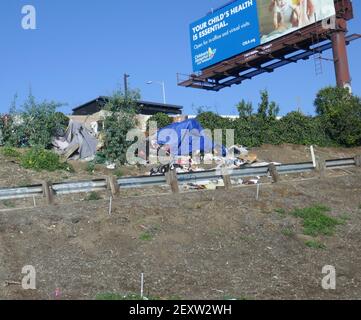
<point>205,56</point>
<point>211,53</point>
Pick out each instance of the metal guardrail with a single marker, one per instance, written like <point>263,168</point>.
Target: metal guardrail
<point>146,181</point>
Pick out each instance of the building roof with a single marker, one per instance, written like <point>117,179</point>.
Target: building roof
<point>146,107</point>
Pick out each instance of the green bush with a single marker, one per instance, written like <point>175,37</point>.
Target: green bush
<point>338,122</point>
<point>100,158</point>
<point>162,120</point>
<point>33,124</point>
<point>298,128</point>
<point>340,113</point>
<point>39,159</point>
<point>121,119</point>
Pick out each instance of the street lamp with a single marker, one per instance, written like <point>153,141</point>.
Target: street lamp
<point>163,87</point>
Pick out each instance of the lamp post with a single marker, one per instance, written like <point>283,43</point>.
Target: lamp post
<point>163,88</point>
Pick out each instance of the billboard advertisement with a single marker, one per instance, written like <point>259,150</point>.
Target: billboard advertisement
<point>244,24</point>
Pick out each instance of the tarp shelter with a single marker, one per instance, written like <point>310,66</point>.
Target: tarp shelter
<point>187,137</point>
<point>77,141</point>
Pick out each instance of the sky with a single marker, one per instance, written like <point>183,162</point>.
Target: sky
<point>81,49</point>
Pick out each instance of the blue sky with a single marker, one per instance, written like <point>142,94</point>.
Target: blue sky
<point>81,49</point>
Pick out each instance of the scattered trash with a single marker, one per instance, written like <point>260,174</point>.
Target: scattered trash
<point>264,164</point>
<point>110,166</point>
<point>252,181</point>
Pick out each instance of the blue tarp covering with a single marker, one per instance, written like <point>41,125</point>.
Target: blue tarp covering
<point>187,137</point>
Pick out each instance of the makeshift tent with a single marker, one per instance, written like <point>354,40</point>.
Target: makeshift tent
<point>187,137</point>
<point>77,140</point>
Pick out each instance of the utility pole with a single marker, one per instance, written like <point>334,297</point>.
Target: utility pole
<point>126,76</point>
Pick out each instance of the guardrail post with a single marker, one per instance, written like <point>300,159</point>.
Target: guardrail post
<point>358,160</point>
<point>113,185</point>
<point>172,180</point>
<point>226,179</point>
<point>48,192</point>
<point>321,167</point>
<point>272,169</point>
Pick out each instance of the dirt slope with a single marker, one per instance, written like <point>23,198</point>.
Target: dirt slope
<point>210,244</point>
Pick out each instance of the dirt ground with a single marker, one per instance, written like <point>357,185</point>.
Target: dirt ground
<point>197,245</point>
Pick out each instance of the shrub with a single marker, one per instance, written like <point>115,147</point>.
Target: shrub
<point>121,119</point>
<point>298,128</point>
<point>340,113</point>
<point>338,122</point>
<point>100,158</point>
<point>210,120</point>
<point>33,124</point>
<point>39,159</point>
<point>162,120</point>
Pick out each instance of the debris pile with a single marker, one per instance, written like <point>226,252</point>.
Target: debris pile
<point>78,143</point>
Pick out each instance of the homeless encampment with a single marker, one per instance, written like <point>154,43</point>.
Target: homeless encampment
<point>187,138</point>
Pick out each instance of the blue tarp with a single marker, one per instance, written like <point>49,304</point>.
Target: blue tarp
<point>187,137</point>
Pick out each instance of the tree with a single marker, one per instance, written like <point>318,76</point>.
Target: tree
<point>331,99</point>
<point>121,111</point>
<point>340,112</point>
<point>267,109</point>
<point>244,109</point>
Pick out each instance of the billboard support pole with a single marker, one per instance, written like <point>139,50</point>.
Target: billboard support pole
<point>339,49</point>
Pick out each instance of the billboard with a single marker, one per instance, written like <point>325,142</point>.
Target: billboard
<point>245,24</point>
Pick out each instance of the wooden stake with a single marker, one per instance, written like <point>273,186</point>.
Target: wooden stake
<point>272,169</point>
<point>110,205</point>
<point>358,160</point>
<point>172,180</point>
<point>257,194</point>
<point>113,185</point>
<point>226,179</point>
<point>321,167</point>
